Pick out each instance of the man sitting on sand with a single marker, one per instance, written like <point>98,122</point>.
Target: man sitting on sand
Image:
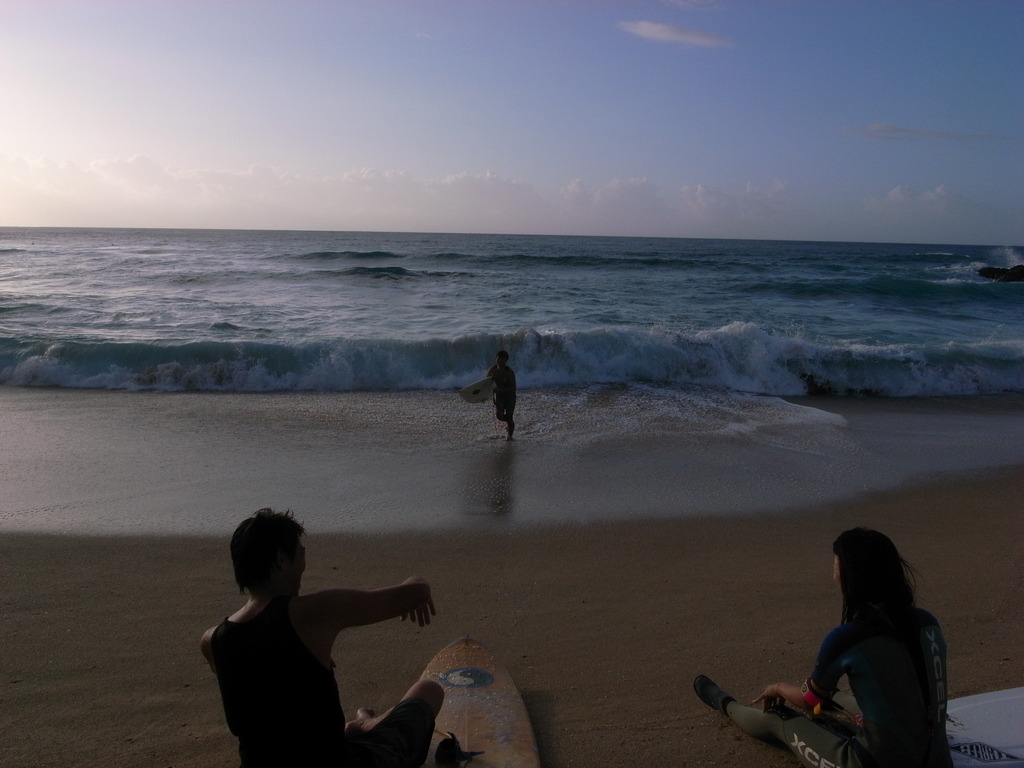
<point>273,660</point>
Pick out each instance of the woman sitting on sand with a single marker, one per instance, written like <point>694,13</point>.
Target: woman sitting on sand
<point>894,657</point>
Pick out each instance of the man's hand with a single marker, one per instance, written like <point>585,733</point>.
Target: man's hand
<point>422,613</point>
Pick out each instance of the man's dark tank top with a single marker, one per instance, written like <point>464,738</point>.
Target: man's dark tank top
<point>279,700</point>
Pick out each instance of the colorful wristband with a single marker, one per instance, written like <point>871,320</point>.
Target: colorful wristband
<point>811,699</point>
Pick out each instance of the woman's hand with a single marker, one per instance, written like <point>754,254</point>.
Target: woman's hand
<point>781,693</point>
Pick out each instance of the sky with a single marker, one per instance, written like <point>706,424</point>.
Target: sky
<point>867,120</point>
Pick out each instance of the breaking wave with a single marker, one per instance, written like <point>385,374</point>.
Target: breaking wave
<point>739,357</point>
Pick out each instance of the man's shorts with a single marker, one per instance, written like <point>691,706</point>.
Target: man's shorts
<point>400,740</point>
<point>505,404</point>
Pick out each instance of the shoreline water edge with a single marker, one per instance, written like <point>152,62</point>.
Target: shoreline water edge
<point>110,462</point>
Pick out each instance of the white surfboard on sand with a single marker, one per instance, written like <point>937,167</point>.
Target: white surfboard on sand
<point>478,391</point>
<point>987,729</point>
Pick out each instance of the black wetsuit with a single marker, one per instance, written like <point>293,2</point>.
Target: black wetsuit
<point>898,701</point>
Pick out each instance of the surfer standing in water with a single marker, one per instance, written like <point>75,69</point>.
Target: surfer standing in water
<point>894,657</point>
<point>504,391</point>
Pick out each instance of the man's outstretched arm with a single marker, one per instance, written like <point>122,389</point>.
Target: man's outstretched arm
<point>319,616</point>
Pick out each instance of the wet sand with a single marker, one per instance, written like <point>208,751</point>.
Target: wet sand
<point>107,462</point>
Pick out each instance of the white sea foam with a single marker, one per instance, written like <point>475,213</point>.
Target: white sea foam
<point>740,357</point>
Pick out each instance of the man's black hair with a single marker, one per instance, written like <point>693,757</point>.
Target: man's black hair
<point>257,542</point>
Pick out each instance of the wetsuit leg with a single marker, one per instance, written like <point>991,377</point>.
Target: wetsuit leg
<point>815,745</point>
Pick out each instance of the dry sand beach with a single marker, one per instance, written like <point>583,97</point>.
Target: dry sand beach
<point>603,623</point>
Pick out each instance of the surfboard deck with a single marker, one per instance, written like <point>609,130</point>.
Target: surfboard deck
<point>478,391</point>
<point>987,729</point>
<point>482,707</point>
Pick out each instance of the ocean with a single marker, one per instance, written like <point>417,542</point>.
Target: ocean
<point>168,380</point>
<point>248,311</point>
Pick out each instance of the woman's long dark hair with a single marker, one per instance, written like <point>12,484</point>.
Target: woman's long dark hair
<point>873,576</point>
<point>878,589</point>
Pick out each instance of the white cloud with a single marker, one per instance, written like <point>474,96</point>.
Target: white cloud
<point>576,196</point>
<point>774,189</point>
<point>723,209</point>
<point>895,132</point>
<point>619,207</point>
<point>707,204</point>
<point>639,206</point>
<point>139,192</point>
<point>634,194</point>
<point>936,215</point>
<point>902,198</point>
<point>693,4</point>
<point>669,33</point>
